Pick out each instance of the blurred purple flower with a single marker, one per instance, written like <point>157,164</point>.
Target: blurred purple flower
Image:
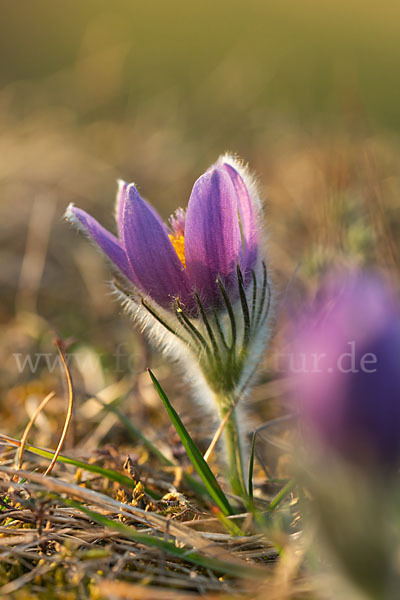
<point>217,233</point>
<point>346,370</point>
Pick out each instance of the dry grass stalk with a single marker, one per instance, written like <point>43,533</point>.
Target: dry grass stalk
<point>29,426</point>
<point>70,407</point>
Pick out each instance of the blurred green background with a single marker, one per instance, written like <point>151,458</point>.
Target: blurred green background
<point>307,93</point>
<point>225,67</point>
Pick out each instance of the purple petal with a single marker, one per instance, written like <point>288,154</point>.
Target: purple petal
<point>212,234</point>
<point>103,238</point>
<point>120,203</point>
<point>150,252</point>
<point>247,218</point>
<point>350,401</point>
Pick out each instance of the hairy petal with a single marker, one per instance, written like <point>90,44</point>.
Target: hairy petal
<point>212,234</point>
<point>120,203</point>
<point>150,252</point>
<point>108,243</point>
<point>248,219</point>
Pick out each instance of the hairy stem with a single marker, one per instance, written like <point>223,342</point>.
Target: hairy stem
<point>233,444</point>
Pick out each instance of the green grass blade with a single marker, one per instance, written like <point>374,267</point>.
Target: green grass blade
<point>194,453</point>
<point>229,525</point>
<point>251,465</point>
<point>108,473</point>
<point>281,495</point>
<point>221,566</point>
<point>136,434</point>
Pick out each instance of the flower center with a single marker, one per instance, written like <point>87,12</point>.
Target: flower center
<point>178,242</point>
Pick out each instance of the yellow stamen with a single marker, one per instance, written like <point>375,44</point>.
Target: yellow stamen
<point>178,242</point>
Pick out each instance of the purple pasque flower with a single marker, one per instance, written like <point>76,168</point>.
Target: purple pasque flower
<point>201,281</point>
<point>346,370</point>
<point>199,287</point>
<point>202,248</point>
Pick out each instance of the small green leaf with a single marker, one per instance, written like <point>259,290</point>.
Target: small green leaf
<point>194,453</point>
